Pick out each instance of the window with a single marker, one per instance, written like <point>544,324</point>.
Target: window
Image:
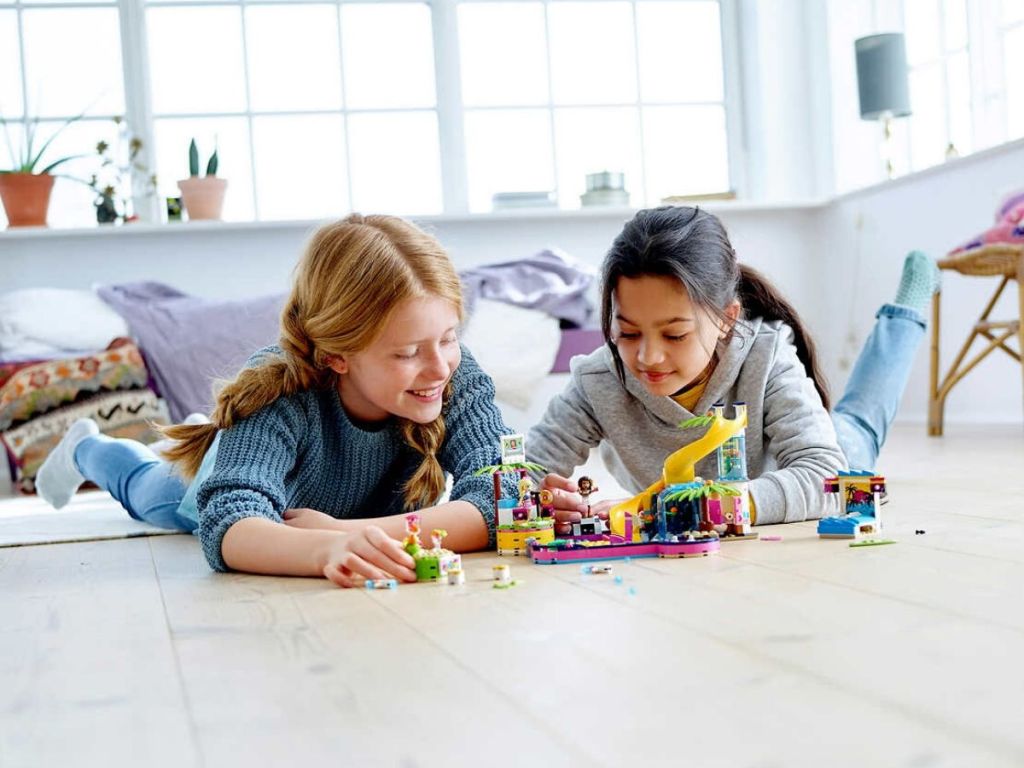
<point>965,60</point>
<point>640,91</point>
<point>317,107</point>
<point>43,85</point>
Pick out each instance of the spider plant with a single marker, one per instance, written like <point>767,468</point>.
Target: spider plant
<point>28,158</point>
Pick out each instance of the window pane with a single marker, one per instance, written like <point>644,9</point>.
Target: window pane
<point>73,61</point>
<point>396,163</point>
<point>594,140</point>
<point>10,66</point>
<point>388,55</point>
<point>507,151</point>
<point>685,151</point>
<point>288,185</point>
<point>680,51</point>
<point>293,57</point>
<point>597,66</point>
<point>1013,10</point>
<point>207,74</point>
<point>503,54</point>
<point>928,123</point>
<point>1013,61</point>
<point>955,19</point>
<point>231,137</point>
<point>921,20</point>
<point>958,78</point>
<point>71,204</point>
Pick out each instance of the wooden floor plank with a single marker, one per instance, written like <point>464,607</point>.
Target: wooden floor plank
<point>88,668</point>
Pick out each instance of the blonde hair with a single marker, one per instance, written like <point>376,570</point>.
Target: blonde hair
<point>352,275</point>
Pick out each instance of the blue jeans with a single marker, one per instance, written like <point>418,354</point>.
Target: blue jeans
<point>146,485</point>
<point>868,406</point>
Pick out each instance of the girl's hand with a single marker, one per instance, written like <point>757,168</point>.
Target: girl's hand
<point>312,518</point>
<point>367,553</point>
<point>569,508</point>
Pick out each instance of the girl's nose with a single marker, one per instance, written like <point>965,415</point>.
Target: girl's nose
<point>437,365</point>
<point>649,353</point>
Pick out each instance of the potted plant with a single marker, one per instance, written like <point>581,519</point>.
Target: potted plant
<point>120,176</point>
<point>203,197</point>
<point>25,187</point>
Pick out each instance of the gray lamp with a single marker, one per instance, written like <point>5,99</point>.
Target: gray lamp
<point>882,83</point>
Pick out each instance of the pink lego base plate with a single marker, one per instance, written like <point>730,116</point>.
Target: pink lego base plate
<point>700,548</point>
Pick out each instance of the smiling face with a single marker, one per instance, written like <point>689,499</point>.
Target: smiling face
<point>404,370</point>
<point>663,338</point>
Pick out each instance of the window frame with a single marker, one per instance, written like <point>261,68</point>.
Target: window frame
<point>449,108</point>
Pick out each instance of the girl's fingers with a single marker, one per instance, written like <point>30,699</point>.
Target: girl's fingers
<point>557,482</point>
<point>386,553</point>
<point>563,529</point>
<point>567,516</point>
<point>353,571</point>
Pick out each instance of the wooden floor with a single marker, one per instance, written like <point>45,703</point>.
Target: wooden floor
<point>791,653</point>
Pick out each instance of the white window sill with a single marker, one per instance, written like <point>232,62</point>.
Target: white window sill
<point>494,217</point>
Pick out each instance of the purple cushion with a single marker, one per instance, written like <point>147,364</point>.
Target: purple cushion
<point>576,341</point>
<point>190,342</point>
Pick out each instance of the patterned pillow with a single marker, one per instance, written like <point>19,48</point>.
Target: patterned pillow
<point>36,388</point>
<point>39,401</point>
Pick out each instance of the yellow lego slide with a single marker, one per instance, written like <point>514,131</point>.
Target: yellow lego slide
<point>678,468</point>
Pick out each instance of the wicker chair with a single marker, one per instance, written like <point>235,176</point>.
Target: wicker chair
<point>993,260</point>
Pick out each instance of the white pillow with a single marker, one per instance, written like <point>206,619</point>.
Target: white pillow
<point>34,319</point>
<point>515,346</point>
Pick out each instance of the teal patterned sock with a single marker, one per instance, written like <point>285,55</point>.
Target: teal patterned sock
<point>919,282</point>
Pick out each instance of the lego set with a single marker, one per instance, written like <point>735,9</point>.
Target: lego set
<point>855,511</point>
<point>435,563</point>
<point>681,515</point>
<point>530,515</point>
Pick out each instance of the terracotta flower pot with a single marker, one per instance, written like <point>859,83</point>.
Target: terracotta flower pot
<point>203,198</point>
<point>26,198</point>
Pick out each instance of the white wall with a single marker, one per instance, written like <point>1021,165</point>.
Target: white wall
<point>861,240</point>
<point>247,260</point>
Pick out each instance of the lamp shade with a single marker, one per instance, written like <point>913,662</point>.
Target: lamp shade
<point>882,76</point>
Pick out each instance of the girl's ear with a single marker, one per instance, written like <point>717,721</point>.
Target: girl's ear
<point>732,314</point>
<point>337,363</point>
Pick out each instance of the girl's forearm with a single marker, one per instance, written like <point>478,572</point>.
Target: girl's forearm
<point>258,545</point>
<point>467,531</point>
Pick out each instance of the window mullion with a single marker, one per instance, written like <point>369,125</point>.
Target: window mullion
<point>551,102</point>
<point>138,101</point>
<point>735,144</point>
<point>450,119</point>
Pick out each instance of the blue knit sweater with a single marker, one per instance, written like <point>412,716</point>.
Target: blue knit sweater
<point>304,451</point>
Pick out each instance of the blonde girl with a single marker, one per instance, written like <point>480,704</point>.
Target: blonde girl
<point>317,448</point>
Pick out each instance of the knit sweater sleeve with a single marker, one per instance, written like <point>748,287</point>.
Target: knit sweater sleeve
<point>562,439</point>
<point>473,425</point>
<point>799,433</point>
<point>254,457</point>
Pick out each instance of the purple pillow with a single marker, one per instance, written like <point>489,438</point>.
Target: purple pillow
<point>190,342</point>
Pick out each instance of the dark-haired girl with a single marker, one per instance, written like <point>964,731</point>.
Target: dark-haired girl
<point>687,326</point>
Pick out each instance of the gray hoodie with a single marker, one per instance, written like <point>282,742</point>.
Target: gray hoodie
<point>791,443</point>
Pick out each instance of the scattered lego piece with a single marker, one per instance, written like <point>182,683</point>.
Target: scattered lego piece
<point>506,584</point>
<point>598,568</point>
<point>381,584</point>
<point>871,542</point>
<point>919,532</point>
<point>618,579</point>
<point>631,591</point>
<point>502,574</point>
<point>456,576</point>
<point>771,538</point>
